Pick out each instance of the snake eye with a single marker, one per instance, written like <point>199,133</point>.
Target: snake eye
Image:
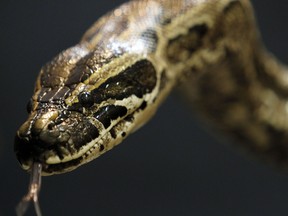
<point>29,106</point>
<point>86,99</point>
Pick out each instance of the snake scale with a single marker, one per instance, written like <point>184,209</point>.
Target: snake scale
<point>90,97</point>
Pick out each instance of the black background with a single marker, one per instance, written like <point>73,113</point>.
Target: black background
<point>172,166</point>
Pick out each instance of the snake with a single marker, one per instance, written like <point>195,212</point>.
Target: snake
<point>93,95</point>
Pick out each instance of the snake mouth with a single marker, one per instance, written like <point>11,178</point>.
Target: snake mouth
<point>28,154</point>
<point>52,160</point>
<point>54,165</point>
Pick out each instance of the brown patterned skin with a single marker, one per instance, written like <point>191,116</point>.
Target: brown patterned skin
<point>91,96</point>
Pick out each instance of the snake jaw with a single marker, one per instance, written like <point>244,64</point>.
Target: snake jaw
<point>64,146</point>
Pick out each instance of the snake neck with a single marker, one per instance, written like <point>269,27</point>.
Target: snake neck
<point>245,93</point>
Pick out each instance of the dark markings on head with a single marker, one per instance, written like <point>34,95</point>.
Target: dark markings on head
<point>53,94</point>
<point>186,44</point>
<point>113,133</point>
<point>143,105</point>
<point>59,151</point>
<point>129,118</point>
<point>138,80</point>
<point>151,39</point>
<point>84,133</point>
<point>89,65</point>
<point>101,148</point>
<point>108,113</point>
<point>80,72</point>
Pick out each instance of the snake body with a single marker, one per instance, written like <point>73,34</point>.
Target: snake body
<point>93,95</point>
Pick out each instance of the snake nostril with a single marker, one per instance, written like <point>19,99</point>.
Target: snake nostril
<point>50,126</point>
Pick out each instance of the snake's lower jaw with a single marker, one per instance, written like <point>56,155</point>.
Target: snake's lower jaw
<point>33,148</point>
<point>30,151</point>
<point>58,150</point>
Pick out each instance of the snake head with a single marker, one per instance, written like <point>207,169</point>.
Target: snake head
<point>71,123</point>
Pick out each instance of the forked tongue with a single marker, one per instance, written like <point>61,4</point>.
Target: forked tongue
<point>33,191</point>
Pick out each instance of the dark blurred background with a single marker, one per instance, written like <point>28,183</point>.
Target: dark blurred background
<point>172,166</point>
